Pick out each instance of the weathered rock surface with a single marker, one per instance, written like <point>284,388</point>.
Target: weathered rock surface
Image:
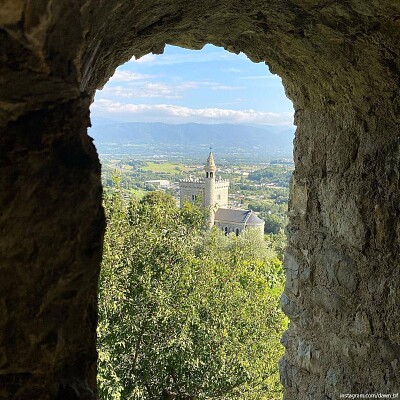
<point>340,64</point>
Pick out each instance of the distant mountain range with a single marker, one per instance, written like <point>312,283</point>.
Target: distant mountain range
<point>109,136</point>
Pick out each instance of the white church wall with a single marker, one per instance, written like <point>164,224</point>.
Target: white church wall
<point>190,191</point>
<point>221,193</point>
<point>237,228</point>
<point>228,227</point>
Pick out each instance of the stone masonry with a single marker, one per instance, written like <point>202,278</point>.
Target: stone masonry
<point>339,63</point>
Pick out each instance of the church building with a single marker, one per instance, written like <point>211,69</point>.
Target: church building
<point>214,194</point>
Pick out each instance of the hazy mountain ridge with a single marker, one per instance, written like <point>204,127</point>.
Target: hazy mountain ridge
<point>222,136</point>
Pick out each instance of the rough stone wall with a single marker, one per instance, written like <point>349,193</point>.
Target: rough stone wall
<point>342,262</point>
<point>339,62</point>
<point>51,223</point>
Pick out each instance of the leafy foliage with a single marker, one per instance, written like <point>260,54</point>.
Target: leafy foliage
<point>185,314</point>
<point>277,174</point>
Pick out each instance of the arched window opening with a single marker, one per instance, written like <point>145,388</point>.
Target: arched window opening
<point>158,239</point>
<point>167,270</point>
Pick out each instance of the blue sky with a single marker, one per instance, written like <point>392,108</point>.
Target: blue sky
<point>208,86</point>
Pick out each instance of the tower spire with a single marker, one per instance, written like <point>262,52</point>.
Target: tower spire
<point>210,165</point>
<point>209,188</point>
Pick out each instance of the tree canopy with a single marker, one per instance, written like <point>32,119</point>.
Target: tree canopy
<point>185,313</point>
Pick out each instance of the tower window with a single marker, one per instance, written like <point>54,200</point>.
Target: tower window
<point>237,231</point>
<point>194,197</point>
<point>211,174</point>
<point>206,174</point>
<point>226,230</point>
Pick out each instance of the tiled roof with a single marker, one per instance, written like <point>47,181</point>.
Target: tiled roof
<point>254,220</point>
<point>237,216</point>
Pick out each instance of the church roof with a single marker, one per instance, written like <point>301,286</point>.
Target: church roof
<point>237,216</point>
<point>254,220</point>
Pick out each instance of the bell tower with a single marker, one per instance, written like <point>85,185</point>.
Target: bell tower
<point>209,188</point>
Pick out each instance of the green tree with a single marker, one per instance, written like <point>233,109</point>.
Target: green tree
<point>183,314</point>
<point>273,223</point>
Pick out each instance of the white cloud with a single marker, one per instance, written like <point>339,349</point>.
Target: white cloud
<point>148,58</point>
<point>127,76</point>
<point>137,88</point>
<point>209,84</point>
<point>147,90</point>
<point>179,114</point>
<point>232,69</point>
<point>277,77</point>
<point>224,87</point>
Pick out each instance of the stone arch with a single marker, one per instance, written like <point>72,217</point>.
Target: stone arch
<point>339,63</point>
